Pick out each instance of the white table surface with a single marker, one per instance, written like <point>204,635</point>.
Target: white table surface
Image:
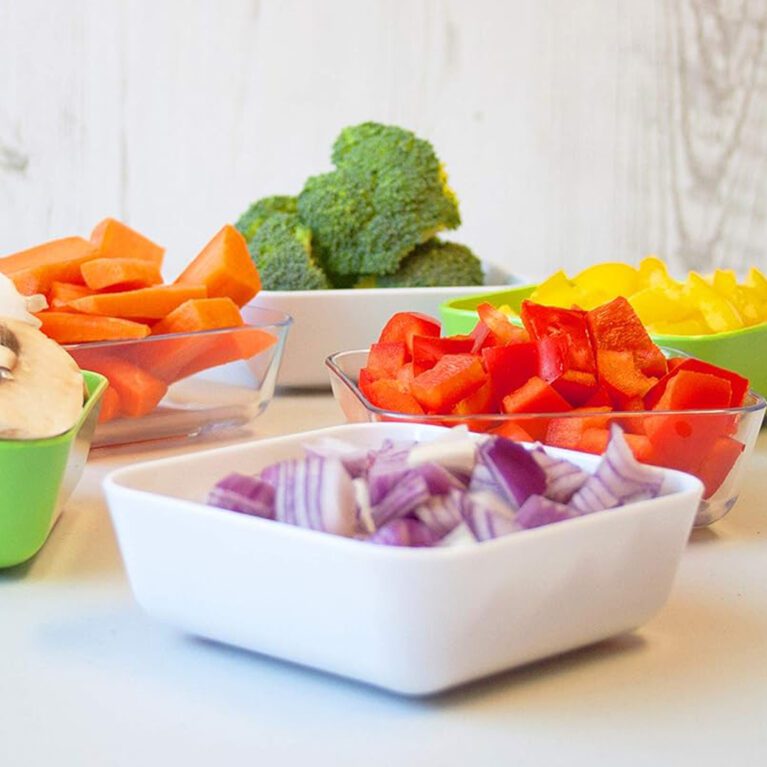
<point>87,679</point>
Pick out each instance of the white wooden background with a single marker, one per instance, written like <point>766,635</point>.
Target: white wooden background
<point>572,131</point>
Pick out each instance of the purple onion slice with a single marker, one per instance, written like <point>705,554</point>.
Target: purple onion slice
<point>563,478</point>
<point>515,471</point>
<point>537,511</point>
<point>245,494</point>
<point>487,515</point>
<point>404,532</point>
<point>441,513</point>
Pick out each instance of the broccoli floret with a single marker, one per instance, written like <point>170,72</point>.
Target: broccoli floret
<point>432,265</point>
<point>388,194</point>
<point>250,221</point>
<point>282,251</point>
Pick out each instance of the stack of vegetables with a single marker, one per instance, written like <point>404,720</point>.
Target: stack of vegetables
<point>699,305</point>
<point>590,366</point>
<point>451,491</point>
<point>110,288</point>
<point>371,222</point>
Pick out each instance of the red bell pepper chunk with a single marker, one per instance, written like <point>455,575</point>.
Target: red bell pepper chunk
<point>595,440</point>
<point>615,326</point>
<point>535,396</point>
<point>693,390</point>
<point>405,376</point>
<point>386,394</point>
<point>512,430</point>
<point>500,326</point>
<point>402,326</point>
<point>477,403</point>
<point>509,367</point>
<point>364,380</point>
<point>619,374</point>
<point>386,359</point>
<point>428,350</point>
<point>568,327</point>
<point>738,384</point>
<point>483,338</point>
<point>567,432</point>
<point>718,463</point>
<point>452,379</point>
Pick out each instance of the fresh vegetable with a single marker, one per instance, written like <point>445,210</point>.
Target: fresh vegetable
<point>371,222</point>
<point>120,273</point>
<point>451,491</point>
<point>698,305</point>
<point>74,328</point>
<point>281,248</point>
<point>200,314</point>
<point>143,304</point>
<point>116,240</point>
<point>61,293</point>
<point>431,265</point>
<point>224,268</point>
<point>567,374</point>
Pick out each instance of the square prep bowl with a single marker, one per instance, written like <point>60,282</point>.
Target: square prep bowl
<point>698,441</point>
<point>744,350</point>
<point>198,382</point>
<point>37,476</point>
<point>415,621</point>
<point>326,320</point>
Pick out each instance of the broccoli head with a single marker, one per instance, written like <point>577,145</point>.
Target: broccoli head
<point>432,265</point>
<point>250,221</point>
<point>388,194</point>
<point>282,250</point>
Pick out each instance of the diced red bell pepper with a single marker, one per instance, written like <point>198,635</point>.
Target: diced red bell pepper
<point>386,394</point>
<point>364,380</point>
<point>500,326</point>
<point>596,439</point>
<point>738,384</point>
<point>452,379</point>
<point>535,396</point>
<point>615,326</point>
<point>386,358</point>
<point>483,338</point>
<point>402,326</point>
<point>641,447</point>
<point>599,398</point>
<point>693,390</point>
<point>554,367</point>
<point>405,376</point>
<point>509,367</point>
<point>567,432</point>
<point>619,374</point>
<point>428,350</point>
<point>478,402</point>
<point>568,326</point>
<point>718,463</point>
<point>512,430</point>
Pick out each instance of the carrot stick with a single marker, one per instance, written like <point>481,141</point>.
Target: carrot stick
<point>73,328</point>
<point>126,273</point>
<point>116,240</point>
<point>200,314</point>
<point>144,303</point>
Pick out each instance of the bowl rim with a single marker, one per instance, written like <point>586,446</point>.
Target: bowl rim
<point>669,338</point>
<point>331,362</point>
<point>279,320</point>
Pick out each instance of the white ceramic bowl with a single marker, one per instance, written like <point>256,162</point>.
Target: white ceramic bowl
<point>415,621</point>
<point>328,320</point>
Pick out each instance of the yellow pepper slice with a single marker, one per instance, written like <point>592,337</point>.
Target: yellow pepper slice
<point>719,313</point>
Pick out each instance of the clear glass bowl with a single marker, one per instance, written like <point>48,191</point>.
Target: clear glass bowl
<point>690,433</point>
<point>215,379</point>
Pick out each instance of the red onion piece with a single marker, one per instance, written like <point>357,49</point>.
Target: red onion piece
<point>404,532</point>
<point>563,478</point>
<point>245,494</point>
<point>537,511</point>
<point>516,472</point>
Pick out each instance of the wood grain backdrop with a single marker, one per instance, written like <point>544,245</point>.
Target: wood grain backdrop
<point>572,131</point>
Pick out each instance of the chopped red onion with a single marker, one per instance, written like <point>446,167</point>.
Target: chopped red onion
<point>364,510</point>
<point>245,494</point>
<point>618,479</point>
<point>487,515</point>
<point>404,532</point>
<point>457,453</point>
<point>441,513</point>
<point>387,467</point>
<point>538,510</point>
<point>355,459</point>
<point>514,469</point>
<point>563,478</point>
<point>438,479</point>
<point>412,491</point>
<point>316,493</point>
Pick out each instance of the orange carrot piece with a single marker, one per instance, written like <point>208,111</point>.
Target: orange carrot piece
<point>139,392</point>
<point>35,269</point>
<point>116,240</point>
<point>61,293</point>
<point>125,273</point>
<point>73,328</point>
<point>200,314</point>
<point>225,267</point>
<point>110,405</point>
<point>144,303</point>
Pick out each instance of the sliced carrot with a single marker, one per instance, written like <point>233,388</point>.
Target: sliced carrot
<point>120,272</point>
<point>73,328</point>
<point>200,314</point>
<point>116,240</point>
<point>110,405</point>
<point>144,303</point>
<point>139,392</point>
<point>61,293</point>
<point>33,270</point>
<point>225,267</point>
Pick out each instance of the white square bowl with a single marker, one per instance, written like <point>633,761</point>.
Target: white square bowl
<point>414,621</point>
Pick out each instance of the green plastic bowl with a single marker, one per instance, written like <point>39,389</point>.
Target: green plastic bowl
<point>37,476</point>
<point>744,351</point>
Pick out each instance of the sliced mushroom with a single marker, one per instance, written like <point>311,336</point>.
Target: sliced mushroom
<point>41,393</point>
